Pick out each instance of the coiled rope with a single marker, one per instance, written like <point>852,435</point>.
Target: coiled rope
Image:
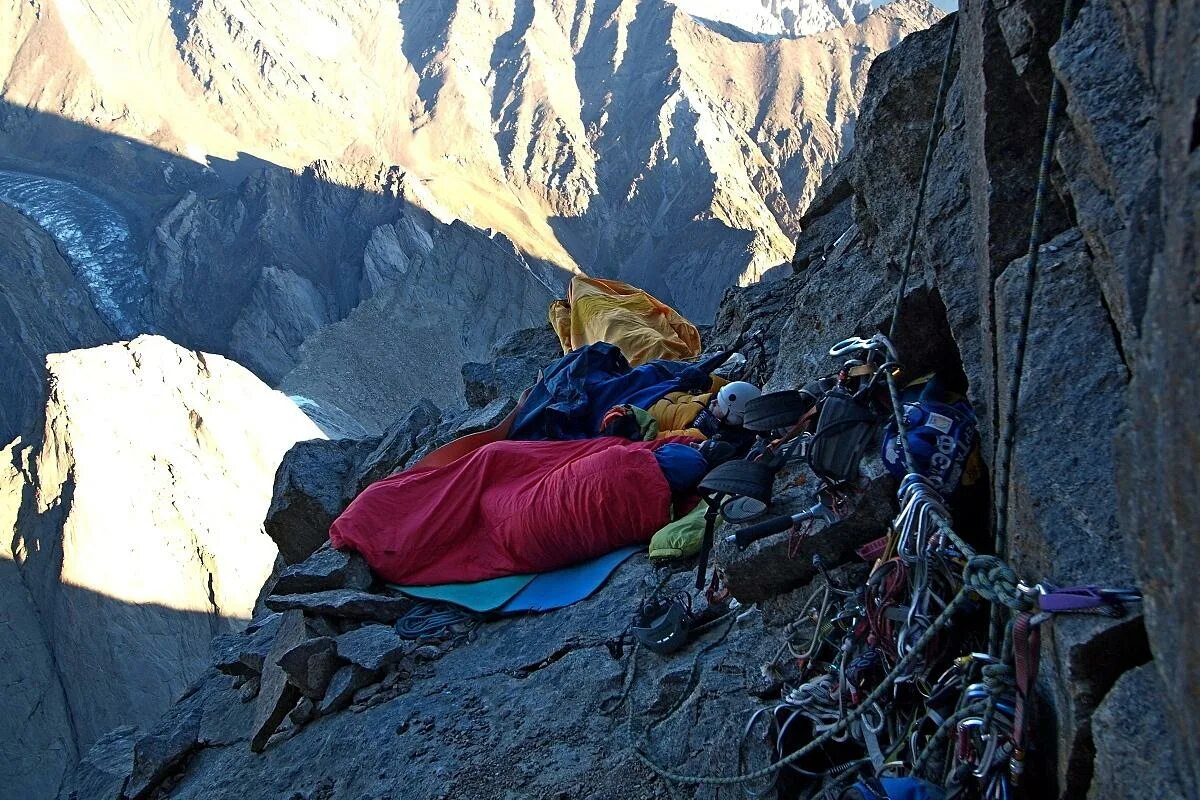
<point>986,576</point>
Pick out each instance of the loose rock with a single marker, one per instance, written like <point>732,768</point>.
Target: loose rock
<point>343,603</point>
<point>776,565</point>
<point>310,491</point>
<point>325,569</point>
<point>303,713</point>
<point>243,653</point>
<point>249,690</point>
<point>310,665</point>
<point>345,682</point>
<point>277,696</point>
<point>372,647</point>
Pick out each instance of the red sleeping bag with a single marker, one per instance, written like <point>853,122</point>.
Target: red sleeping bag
<point>508,508</point>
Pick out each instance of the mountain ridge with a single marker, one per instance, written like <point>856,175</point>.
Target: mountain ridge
<point>519,141</point>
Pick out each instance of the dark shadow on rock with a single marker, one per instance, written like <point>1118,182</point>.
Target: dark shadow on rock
<point>248,259</point>
<point>102,663</point>
<point>83,662</point>
<point>434,14</point>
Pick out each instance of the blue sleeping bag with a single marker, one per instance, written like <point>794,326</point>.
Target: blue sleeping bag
<point>578,389</point>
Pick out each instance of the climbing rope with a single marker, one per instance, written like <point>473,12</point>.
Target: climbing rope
<point>984,576</point>
<point>1008,432</point>
<point>943,621</point>
<point>426,620</point>
<point>935,128</point>
<point>988,718</point>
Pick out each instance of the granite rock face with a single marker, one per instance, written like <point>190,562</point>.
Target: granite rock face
<point>1095,488</point>
<point>1129,759</point>
<point>371,730</point>
<point>1159,446</point>
<point>133,530</point>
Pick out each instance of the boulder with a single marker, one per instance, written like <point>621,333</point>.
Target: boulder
<point>310,491</point>
<point>484,418</point>
<point>343,686</point>
<point>372,647</point>
<point>303,713</point>
<point>167,745</point>
<point>507,376</point>
<point>515,363</point>
<point>398,444</point>
<point>243,653</point>
<point>343,603</point>
<point>310,664</point>
<point>467,422</point>
<point>776,565</point>
<point>539,344</point>
<point>277,695</point>
<point>325,569</point>
<point>249,690</point>
<point>227,719</point>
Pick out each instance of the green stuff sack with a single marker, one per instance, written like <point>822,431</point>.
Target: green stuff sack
<point>680,538</point>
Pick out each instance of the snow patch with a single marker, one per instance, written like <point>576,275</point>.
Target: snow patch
<point>766,19</point>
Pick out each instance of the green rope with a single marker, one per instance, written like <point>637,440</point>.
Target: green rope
<point>935,128</point>
<point>1008,433</point>
<point>942,621</point>
<point>986,576</point>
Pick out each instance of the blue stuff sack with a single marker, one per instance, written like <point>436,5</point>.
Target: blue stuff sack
<point>942,433</point>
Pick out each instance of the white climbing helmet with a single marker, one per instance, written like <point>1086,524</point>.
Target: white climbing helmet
<point>732,400</point>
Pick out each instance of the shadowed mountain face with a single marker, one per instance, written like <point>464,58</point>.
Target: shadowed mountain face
<point>252,271</point>
<point>620,137</point>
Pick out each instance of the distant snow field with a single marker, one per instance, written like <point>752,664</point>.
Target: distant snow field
<point>774,18</point>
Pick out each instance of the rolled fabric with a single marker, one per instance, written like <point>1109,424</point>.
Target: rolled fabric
<point>683,466</point>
